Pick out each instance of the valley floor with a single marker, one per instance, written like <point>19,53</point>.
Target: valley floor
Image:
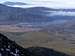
<point>63,41</point>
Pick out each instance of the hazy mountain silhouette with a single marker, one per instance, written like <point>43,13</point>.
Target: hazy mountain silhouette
<point>11,15</point>
<point>34,15</point>
<point>16,15</point>
<point>13,3</point>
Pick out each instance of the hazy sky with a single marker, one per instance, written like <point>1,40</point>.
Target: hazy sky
<point>49,3</point>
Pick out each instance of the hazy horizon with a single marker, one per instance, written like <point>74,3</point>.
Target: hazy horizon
<point>48,3</point>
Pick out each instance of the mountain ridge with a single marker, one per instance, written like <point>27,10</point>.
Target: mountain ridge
<point>34,17</point>
<point>13,3</point>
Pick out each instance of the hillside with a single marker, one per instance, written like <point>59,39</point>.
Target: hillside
<point>10,48</point>
<point>60,41</point>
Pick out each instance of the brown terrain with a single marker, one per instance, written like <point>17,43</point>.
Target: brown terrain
<point>58,38</point>
<point>14,28</point>
<point>60,41</point>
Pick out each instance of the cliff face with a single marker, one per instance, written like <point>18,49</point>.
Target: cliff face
<point>10,48</point>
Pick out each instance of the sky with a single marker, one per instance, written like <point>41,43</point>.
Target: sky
<point>48,3</point>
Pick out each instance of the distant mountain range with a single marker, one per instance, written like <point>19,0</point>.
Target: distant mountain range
<point>34,16</point>
<point>14,3</point>
<point>19,15</point>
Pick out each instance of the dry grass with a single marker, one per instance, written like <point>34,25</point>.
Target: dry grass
<point>58,41</point>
